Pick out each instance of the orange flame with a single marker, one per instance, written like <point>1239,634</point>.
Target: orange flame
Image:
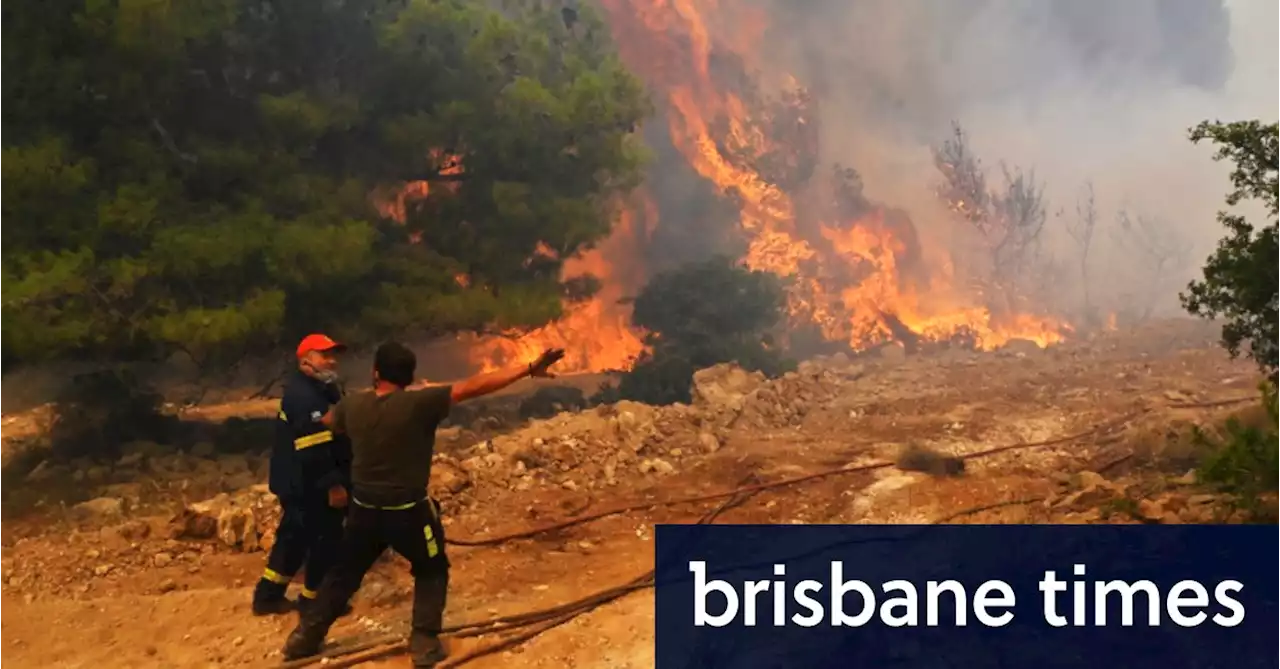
<point>859,281</point>
<point>596,334</point>
<point>668,41</point>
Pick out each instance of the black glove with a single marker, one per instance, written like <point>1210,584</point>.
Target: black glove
<point>548,358</point>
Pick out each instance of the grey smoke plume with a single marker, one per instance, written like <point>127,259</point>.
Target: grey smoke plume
<point>1099,91</point>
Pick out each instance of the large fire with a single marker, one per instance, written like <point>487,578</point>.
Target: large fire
<point>862,277</point>
<point>595,334</point>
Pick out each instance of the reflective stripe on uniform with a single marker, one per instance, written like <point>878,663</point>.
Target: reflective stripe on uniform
<point>308,593</point>
<point>275,577</point>
<point>310,440</point>
<point>433,549</point>
<point>282,416</point>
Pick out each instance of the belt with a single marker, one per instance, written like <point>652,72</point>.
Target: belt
<point>394,507</point>
<point>431,506</point>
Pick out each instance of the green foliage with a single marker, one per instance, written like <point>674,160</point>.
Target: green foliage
<point>1246,458</point>
<point>1240,279</point>
<point>200,176</point>
<point>698,316</point>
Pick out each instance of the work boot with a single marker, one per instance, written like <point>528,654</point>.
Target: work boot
<point>269,599</point>
<point>306,639</point>
<point>426,650</point>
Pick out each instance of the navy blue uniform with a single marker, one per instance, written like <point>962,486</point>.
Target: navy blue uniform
<point>307,459</point>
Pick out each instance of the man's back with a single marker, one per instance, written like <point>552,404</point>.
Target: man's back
<point>392,440</point>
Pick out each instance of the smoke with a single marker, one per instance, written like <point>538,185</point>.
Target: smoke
<point>1078,90</point>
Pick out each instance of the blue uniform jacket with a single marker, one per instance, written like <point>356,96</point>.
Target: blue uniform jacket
<point>307,458</point>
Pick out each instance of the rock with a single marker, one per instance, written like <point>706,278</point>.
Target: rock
<point>1178,397</point>
<point>448,478</point>
<point>203,449</point>
<point>102,570</point>
<point>231,464</point>
<point>232,520</point>
<point>1087,479</point>
<point>656,465</point>
<point>130,492</point>
<point>1201,500</point>
<point>168,585</point>
<point>130,460</point>
<point>96,474</point>
<point>190,524</point>
<point>237,528</point>
<point>239,480</point>
<point>724,386</point>
<point>710,443</point>
<point>173,463</point>
<point>101,508</point>
<point>893,352</point>
<point>161,560</point>
<point>633,424</point>
<point>1189,478</point>
<point>134,530</point>
<point>1093,490</point>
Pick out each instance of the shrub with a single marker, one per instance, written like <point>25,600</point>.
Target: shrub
<point>1245,459</point>
<point>698,316</point>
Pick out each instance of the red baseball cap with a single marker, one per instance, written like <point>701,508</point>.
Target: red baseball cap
<point>319,342</point>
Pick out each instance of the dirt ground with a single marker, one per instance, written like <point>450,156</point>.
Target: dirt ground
<point>95,594</point>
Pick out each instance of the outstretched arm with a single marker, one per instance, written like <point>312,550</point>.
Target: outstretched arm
<point>483,384</point>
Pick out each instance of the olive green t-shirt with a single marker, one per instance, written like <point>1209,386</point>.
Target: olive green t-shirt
<point>392,437</point>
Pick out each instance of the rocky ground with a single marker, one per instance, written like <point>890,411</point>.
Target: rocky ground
<point>147,561</point>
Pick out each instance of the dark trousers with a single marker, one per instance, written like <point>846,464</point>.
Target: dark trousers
<point>310,535</point>
<point>414,531</point>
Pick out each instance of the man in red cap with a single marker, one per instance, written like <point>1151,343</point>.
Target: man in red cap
<point>310,472</point>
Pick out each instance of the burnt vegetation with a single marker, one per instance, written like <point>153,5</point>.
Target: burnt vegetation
<point>1006,219</point>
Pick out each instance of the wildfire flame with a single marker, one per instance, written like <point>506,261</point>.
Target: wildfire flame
<point>656,37</point>
<point>863,279</point>
<point>595,334</point>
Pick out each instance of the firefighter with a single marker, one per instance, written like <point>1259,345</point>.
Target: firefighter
<point>392,431</point>
<point>310,471</point>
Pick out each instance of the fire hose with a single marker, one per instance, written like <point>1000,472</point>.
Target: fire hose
<point>543,620</point>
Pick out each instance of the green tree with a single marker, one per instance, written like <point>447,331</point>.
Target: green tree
<point>1240,278</point>
<point>200,175</point>
<point>698,316</point>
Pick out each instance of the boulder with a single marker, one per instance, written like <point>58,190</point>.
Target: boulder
<point>99,509</point>
<point>724,386</point>
<point>233,520</point>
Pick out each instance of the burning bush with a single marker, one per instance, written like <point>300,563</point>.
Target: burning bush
<point>698,316</point>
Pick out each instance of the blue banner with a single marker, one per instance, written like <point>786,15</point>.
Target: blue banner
<point>967,596</point>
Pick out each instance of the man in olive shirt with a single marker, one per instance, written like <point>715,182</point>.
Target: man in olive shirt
<point>392,432</point>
